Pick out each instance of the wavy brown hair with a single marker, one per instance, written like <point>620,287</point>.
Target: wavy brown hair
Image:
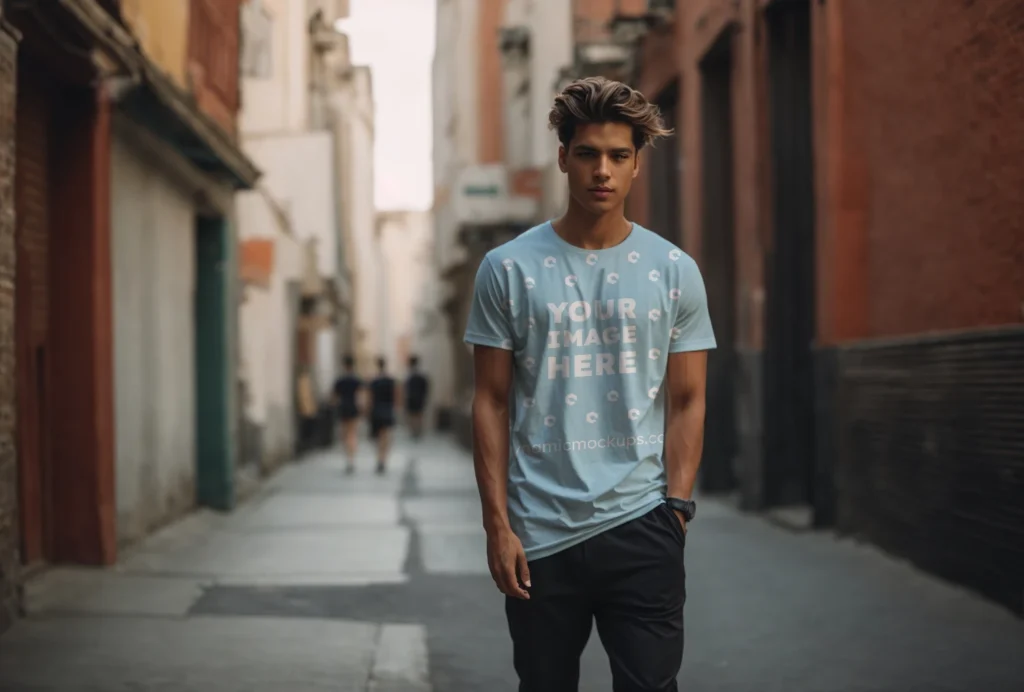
<point>601,100</point>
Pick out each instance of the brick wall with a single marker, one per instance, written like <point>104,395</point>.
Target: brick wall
<point>32,241</point>
<point>657,68</point>
<point>703,23</point>
<point>32,191</point>
<point>9,558</point>
<point>920,163</point>
<point>591,17</point>
<point>658,58</point>
<point>490,124</point>
<point>928,163</point>
<point>213,58</point>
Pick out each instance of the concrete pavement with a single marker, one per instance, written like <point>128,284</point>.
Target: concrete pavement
<point>136,627</point>
<point>330,582</point>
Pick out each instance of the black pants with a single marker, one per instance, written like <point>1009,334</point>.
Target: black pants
<point>632,582</point>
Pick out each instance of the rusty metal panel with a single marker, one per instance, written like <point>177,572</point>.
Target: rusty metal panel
<point>32,299</point>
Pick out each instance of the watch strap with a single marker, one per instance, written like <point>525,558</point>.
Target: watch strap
<point>688,508</point>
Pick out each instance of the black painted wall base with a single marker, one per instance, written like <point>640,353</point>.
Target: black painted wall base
<point>826,435</point>
<point>752,462</point>
<point>749,462</point>
<point>930,454</point>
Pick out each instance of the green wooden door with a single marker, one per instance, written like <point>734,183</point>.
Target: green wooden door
<point>214,371</point>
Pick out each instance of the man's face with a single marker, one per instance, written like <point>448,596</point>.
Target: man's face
<point>601,163</point>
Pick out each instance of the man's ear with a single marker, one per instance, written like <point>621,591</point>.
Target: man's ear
<point>562,153</point>
<point>636,164</point>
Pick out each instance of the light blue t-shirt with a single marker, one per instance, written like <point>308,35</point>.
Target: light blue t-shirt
<point>591,331</point>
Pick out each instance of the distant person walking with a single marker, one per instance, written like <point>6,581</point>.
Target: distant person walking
<point>346,402</point>
<point>416,389</point>
<point>382,412</point>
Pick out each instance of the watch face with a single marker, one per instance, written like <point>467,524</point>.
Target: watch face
<point>688,508</point>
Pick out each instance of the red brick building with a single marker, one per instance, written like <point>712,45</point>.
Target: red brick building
<point>848,175</point>
<point>10,562</point>
<point>61,67</point>
<point>59,494</point>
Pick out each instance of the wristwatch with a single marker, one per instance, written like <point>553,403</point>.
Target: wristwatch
<point>688,508</point>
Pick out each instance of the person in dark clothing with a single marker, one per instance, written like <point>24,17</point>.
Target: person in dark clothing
<point>382,412</point>
<point>416,390</point>
<point>346,403</point>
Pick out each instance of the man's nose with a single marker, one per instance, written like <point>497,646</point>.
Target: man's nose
<point>603,170</point>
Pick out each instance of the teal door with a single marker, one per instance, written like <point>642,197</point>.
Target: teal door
<point>215,487</point>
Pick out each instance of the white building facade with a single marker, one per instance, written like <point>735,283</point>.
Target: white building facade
<point>153,251</point>
<point>405,239</point>
<point>480,200</point>
<point>295,230</point>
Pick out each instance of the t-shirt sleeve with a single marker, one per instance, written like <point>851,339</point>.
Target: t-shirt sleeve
<point>489,323</point>
<point>692,330</point>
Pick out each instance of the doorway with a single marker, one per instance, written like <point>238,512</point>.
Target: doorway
<point>215,377</point>
<point>664,208</point>
<point>719,259</point>
<point>789,438</point>
<point>33,196</point>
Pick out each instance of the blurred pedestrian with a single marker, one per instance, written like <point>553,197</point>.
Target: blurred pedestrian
<point>415,397</point>
<point>590,337</point>
<point>382,412</point>
<point>346,402</point>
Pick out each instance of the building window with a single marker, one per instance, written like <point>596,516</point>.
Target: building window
<point>257,40</point>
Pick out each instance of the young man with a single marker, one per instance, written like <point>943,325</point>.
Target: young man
<point>598,329</point>
<point>346,402</point>
<point>416,389</point>
<point>382,412</point>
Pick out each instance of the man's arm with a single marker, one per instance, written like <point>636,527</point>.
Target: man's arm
<point>493,382</point>
<point>684,428</point>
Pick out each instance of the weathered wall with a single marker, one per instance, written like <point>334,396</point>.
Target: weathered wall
<point>490,107</point>
<point>590,21</point>
<point>723,44</point>
<point>550,50</point>
<point>267,333</point>
<point>278,99</point>
<point>213,58</point>
<point>920,163</point>
<point>266,340</point>
<point>153,229</point>
<point>404,242</point>
<point>357,179</point>
<point>658,66</point>
<point>162,29</point>
<point>33,196</point>
<point>704,23</point>
<point>937,182</point>
<point>9,536</point>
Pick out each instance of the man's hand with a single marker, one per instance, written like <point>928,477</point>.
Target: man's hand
<point>507,561</point>
<point>682,520</point>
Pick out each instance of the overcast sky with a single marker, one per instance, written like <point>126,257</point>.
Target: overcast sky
<point>396,39</point>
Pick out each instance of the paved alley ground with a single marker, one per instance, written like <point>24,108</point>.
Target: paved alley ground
<point>329,582</point>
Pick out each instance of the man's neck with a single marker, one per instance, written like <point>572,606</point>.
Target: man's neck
<point>582,229</point>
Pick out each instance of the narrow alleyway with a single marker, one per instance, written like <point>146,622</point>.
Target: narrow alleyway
<point>328,582</point>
